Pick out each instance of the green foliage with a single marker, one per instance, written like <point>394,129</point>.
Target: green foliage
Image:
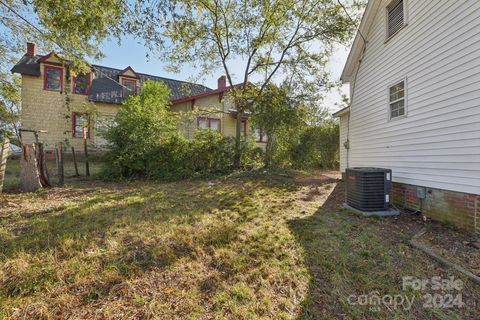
<point>271,35</point>
<point>142,124</point>
<point>10,107</point>
<point>276,112</point>
<point>206,154</point>
<point>278,41</point>
<point>145,142</point>
<point>318,146</point>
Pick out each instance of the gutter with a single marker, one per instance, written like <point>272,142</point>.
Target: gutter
<point>341,112</point>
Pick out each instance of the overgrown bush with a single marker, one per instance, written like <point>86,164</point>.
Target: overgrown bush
<point>318,147</point>
<point>145,142</point>
<point>142,125</point>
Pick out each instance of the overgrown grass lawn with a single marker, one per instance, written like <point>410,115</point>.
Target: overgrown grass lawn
<point>263,246</point>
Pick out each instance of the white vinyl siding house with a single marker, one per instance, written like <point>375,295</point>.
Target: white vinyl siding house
<point>436,55</point>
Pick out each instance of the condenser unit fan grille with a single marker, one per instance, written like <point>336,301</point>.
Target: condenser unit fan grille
<point>368,188</point>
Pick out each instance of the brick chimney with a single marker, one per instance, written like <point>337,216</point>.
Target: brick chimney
<point>31,49</point>
<point>222,82</point>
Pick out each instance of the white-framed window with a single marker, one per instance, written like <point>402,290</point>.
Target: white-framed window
<point>397,99</point>
<point>396,17</point>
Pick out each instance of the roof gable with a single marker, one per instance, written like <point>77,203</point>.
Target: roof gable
<point>359,44</point>
<point>52,57</point>
<point>128,72</point>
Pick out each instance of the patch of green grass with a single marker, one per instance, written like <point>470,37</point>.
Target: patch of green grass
<point>350,256</point>
<point>238,247</point>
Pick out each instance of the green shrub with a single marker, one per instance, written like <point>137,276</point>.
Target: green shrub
<point>208,153</point>
<point>143,123</point>
<point>211,152</point>
<point>318,146</point>
<point>144,142</point>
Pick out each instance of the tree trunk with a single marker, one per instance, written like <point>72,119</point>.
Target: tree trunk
<point>238,139</point>
<point>42,165</point>
<point>4,145</point>
<point>269,150</point>
<point>29,175</point>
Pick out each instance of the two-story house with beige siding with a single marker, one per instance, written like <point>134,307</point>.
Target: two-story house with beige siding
<point>63,104</point>
<point>414,75</point>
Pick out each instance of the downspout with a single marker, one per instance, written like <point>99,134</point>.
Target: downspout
<point>347,142</point>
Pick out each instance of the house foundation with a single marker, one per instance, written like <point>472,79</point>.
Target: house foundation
<point>457,208</point>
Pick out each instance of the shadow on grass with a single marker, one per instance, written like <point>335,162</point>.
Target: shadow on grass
<point>134,218</point>
<point>349,255</point>
<point>345,256</point>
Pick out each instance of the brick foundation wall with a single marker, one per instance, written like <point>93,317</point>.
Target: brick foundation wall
<point>457,208</point>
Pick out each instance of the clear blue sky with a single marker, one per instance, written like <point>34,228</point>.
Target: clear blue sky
<point>131,53</point>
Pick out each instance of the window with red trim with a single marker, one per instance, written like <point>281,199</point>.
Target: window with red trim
<point>260,135</point>
<point>129,87</point>
<point>244,128</point>
<point>81,84</point>
<point>80,121</point>
<point>209,123</point>
<point>53,78</point>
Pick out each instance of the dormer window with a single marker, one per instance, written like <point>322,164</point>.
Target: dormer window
<point>53,78</point>
<point>81,84</point>
<point>129,87</point>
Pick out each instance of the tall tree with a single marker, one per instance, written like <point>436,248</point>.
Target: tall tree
<point>10,107</point>
<point>276,110</point>
<point>275,39</point>
<point>74,28</point>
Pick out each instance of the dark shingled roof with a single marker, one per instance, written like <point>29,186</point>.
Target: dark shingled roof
<point>27,65</point>
<point>105,86</point>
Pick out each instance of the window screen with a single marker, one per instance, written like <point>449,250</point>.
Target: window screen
<point>395,17</point>
<point>260,135</point>
<point>203,123</point>
<point>215,124</point>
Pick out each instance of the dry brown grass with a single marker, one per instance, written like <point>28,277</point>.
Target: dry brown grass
<point>261,246</point>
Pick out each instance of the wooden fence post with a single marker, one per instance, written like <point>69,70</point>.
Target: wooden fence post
<point>61,177</point>
<point>85,147</point>
<point>4,148</point>
<point>75,161</point>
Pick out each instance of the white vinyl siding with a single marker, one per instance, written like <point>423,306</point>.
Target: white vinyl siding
<point>438,144</point>
<point>343,139</point>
